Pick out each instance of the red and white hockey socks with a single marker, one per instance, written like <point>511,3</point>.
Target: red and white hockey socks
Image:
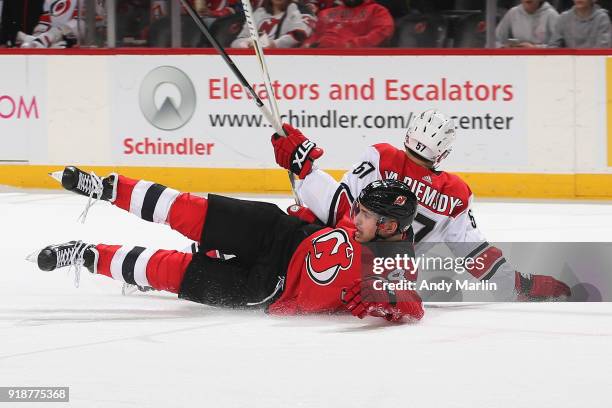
<point>159,269</point>
<point>154,202</point>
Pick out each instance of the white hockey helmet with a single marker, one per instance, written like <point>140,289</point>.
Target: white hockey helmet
<point>431,136</point>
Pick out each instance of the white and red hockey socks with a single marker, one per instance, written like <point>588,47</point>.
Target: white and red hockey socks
<point>154,202</point>
<point>159,269</point>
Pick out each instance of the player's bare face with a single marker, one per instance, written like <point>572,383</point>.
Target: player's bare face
<point>366,223</point>
<point>280,5</point>
<point>583,4</point>
<point>531,6</point>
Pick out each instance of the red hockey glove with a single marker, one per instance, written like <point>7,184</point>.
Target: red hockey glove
<point>540,287</point>
<point>303,213</point>
<point>363,299</point>
<point>295,152</point>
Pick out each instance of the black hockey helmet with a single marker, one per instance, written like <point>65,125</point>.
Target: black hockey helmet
<point>390,199</point>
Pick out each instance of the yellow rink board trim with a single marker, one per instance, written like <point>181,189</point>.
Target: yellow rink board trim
<point>513,185</point>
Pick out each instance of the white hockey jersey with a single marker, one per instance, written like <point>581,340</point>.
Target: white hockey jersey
<point>65,16</point>
<point>287,30</point>
<point>444,214</point>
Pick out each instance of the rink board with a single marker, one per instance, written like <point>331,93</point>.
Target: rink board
<point>529,125</point>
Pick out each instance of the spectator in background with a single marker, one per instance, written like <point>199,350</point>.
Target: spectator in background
<point>159,34</point>
<point>209,10</point>
<point>18,16</point>
<point>530,24</point>
<point>213,9</point>
<point>133,19</point>
<point>586,25</point>
<point>59,25</point>
<point>355,24</point>
<point>280,24</point>
<point>315,6</point>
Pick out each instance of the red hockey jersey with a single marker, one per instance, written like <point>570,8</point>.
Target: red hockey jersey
<point>366,25</point>
<point>325,263</point>
<point>321,266</point>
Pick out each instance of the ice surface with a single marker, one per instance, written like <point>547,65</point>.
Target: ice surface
<point>151,350</point>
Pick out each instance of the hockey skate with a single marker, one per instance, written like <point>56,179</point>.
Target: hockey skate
<point>89,185</point>
<point>74,254</point>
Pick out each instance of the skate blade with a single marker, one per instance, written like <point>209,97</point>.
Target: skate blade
<point>128,289</point>
<point>57,175</point>
<point>33,257</point>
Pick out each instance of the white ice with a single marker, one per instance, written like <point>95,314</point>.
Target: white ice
<point>152,350</point>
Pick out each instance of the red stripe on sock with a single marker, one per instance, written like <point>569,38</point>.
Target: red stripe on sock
<point>125,186</point>
<point>188,214</point>
<point>106,253</point>
<point>165,270</point>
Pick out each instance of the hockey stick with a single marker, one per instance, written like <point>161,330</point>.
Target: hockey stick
<point>254,34</point>
<point>248,14</point>
<point>196,19</point>
<point>273,120</point>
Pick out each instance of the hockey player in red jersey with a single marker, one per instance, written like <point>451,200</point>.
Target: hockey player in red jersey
<point>281,262</point>
<point>444,212</point>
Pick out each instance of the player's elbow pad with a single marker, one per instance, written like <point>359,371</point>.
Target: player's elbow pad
<point>486,263</point>
<point>304,214</point>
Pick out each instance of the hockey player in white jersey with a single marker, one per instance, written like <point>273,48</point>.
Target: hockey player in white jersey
<point>59,25</point>
<point>444,212</point>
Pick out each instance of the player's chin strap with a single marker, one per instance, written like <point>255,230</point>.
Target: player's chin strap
<point>377,236</point>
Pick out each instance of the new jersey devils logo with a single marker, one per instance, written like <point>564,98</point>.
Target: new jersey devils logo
<point>59,7</point>
<point>400,200</point>
<point>268,25</point>
<point>329,254</point>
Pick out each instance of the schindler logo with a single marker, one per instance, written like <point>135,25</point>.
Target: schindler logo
<point>167,98</point>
